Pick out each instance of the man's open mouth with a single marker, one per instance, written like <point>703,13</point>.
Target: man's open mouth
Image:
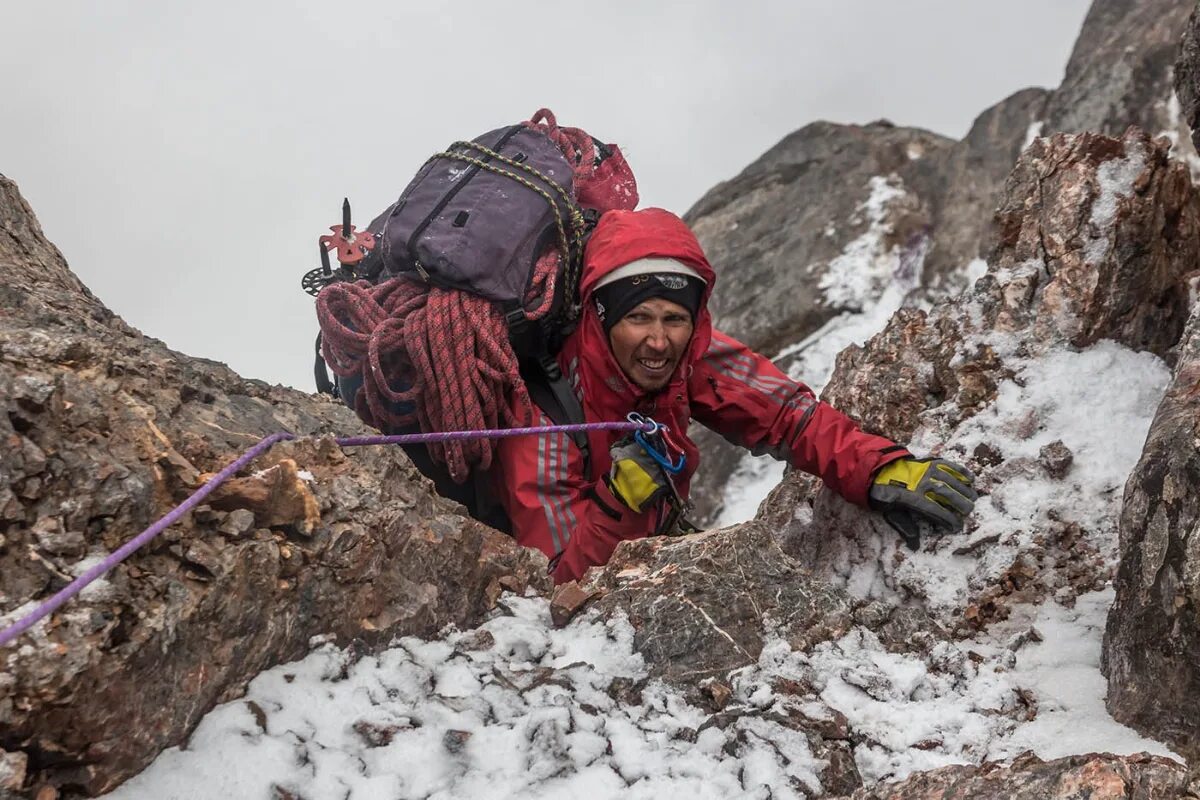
<point>654,364</point>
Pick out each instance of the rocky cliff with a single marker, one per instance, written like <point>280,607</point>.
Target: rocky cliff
<point>1152,643</point>
<point>105,431</point>
<point>784,223</point>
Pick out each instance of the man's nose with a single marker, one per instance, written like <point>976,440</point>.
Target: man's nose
<point>656,337</point>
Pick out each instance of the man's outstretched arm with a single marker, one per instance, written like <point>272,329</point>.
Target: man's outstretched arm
<point>748,400</point>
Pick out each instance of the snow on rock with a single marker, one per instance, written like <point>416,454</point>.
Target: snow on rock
<point>906,712</point>
<point>1033,131</point>
<point>1042,379</point>
<point>859,275</point>
<point>1098,404</point>
<point>512,708</point>
<point>1116,178</point>
<point>517,708</point>
<point>1057,658</point>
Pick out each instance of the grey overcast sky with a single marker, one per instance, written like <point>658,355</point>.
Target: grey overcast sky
<point>186,155</point>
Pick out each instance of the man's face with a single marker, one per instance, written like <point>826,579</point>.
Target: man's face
<point>649,341</point>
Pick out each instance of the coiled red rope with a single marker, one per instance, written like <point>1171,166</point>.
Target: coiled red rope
<point>443,353</point>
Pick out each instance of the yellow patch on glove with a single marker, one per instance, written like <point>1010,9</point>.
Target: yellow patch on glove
<point>935,489</point>
<point>632,484</point>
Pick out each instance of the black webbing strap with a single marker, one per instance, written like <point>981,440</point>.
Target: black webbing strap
<point>321,374</point>
<point>548,388</point>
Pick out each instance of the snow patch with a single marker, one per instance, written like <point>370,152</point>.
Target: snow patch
<point>515,708</point>
<point>975,270</point>
<point>518,708</point>
<point>1034,131</point>
<point>856,277</point>
<point>1063,672</point>
<point>1177,133</point>
<point>1116,178</point>
<point>745,490</point>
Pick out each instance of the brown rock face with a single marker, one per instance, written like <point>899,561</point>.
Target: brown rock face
<point>1094,776</point>
<point>697,603</point>
<point>1152,642</point>
<point>105,431</point>
<point>1095,238</point>
<point>1187,76</point>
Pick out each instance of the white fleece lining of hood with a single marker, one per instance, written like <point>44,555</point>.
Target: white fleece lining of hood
<point>647,266</point>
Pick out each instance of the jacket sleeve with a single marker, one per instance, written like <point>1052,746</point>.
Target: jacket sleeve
<point>577,523</point>
<point>742,396</point>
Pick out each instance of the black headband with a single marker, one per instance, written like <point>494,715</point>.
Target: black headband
<point>615,300</point>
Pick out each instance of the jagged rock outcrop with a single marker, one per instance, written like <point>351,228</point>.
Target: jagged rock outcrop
<point>779,225</point>
<point>105,430</point>
<point>1152,642</point>
<point>703,607</point>
<point>1093,776</point>
<point>1119,74</point>
<point>1187,76</point>
<point>1095,239</point>
<point>1120,71</point>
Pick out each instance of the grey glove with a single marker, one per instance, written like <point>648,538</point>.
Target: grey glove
<point>909,491</point>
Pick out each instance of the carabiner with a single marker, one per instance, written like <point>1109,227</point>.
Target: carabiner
<point>645,424</point>
<point>656,431</point>
<point>663,459</point>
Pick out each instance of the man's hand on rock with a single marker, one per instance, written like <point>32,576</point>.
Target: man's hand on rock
<point>909,491</point>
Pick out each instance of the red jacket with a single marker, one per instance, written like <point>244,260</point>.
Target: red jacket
<point>574,518</point>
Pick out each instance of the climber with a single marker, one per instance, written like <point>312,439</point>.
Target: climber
<point>645,345</point>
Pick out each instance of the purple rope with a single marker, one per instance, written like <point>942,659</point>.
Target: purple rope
<point>498,433</point>
<point>133,545</point>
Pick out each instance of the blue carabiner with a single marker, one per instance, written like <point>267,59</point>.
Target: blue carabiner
<point>662,460</point>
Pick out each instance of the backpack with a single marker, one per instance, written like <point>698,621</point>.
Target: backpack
<point>503,218</point>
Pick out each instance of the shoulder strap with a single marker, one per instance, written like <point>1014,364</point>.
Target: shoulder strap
<point>548,388</point>
<point>321,374</point>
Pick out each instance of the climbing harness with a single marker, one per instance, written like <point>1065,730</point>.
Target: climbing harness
<point>133,545</point>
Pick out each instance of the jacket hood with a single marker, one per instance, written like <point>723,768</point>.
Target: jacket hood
<point>606,392</point>
<point>625,236</point>
<point>620,238</point>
